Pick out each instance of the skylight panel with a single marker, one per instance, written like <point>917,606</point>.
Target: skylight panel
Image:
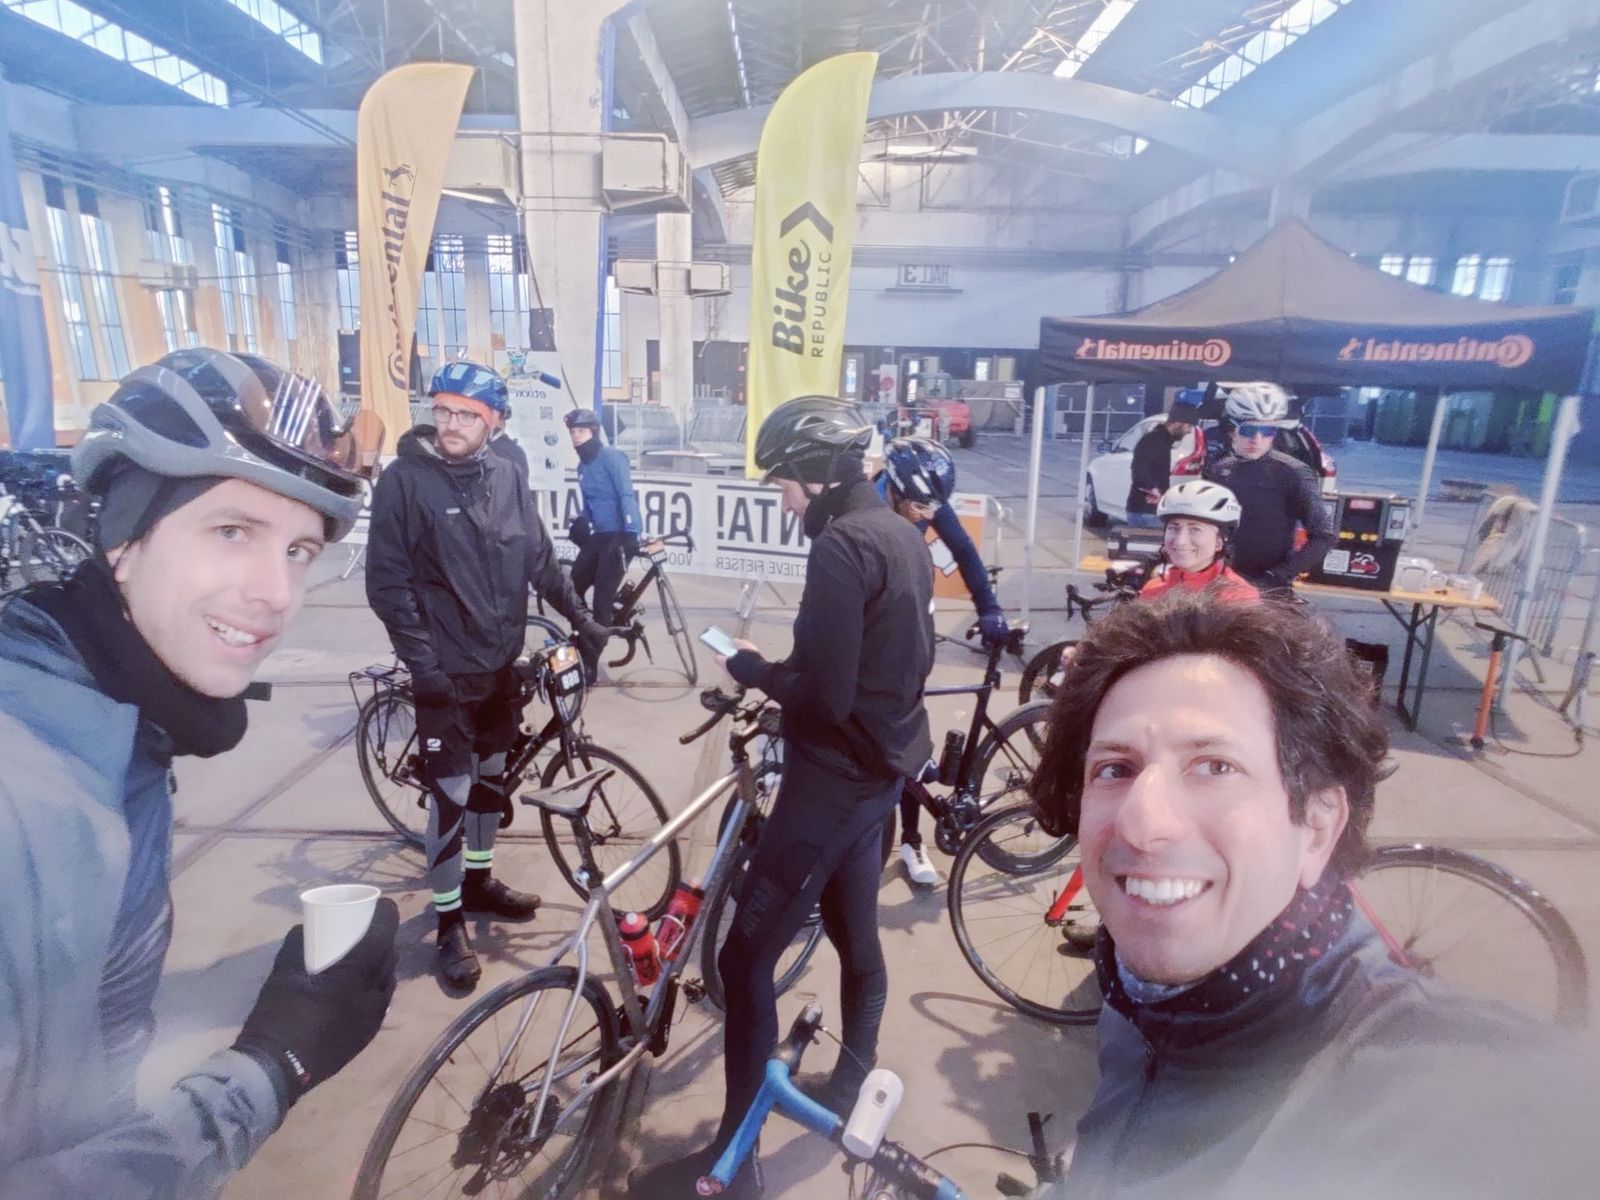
<point>276,19</point>
<point>92,30</point>
<point>1099,30</point>
<point>1288,27</point>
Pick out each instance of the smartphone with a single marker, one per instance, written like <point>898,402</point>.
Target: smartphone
<point>719,641</point>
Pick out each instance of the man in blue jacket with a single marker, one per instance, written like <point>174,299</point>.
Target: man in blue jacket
<point>607,531</point>
<point>917,481</point>
<point>210,520</point>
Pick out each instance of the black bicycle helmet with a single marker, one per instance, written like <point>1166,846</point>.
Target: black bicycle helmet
<point>581,418</point>
<point>207,412</point>
<point>803,438</point>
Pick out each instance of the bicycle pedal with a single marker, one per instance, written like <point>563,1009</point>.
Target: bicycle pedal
<point>693,990</point>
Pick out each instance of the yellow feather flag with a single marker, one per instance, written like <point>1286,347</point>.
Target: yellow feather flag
<point>805,220</point>
<point>404,133</point>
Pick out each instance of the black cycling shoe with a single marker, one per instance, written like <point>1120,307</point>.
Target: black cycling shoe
<point>495,898</point>
<point>458,962</point>
<point>676,1180</point>
<point>837,1093</point>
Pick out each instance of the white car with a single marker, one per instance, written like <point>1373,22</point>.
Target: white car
<point>1105,496</point>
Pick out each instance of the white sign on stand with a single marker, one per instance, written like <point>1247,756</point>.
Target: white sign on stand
<point>536,415</point>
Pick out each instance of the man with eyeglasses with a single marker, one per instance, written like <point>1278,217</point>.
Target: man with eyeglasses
<point>1278,494</point>
<point>455,545</point>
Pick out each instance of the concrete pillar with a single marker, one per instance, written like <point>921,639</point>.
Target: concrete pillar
<point>563,106</point>
<point>674,253</point>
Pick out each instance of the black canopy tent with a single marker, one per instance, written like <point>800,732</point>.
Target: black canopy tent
<point>1294,308</point>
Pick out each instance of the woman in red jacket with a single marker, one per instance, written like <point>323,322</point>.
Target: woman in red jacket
<point>1198,521</point>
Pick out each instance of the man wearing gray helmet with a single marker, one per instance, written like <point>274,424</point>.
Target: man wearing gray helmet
<point>221,478</point>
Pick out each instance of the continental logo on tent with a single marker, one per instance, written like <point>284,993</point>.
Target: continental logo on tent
<point>1509,351</point>
<point>1213,352</point>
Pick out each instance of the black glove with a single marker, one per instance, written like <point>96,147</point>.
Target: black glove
<point>992,625</point>
<point>580,531</point>
<point>592,638</point>
<point>432,688</point>
<point>745,667</point>
<point>306,1028</point>
<point>630,545</point>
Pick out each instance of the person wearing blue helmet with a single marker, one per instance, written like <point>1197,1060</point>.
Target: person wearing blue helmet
<point>607,531</point>
<point>455,544</point>
<point>917,481</point>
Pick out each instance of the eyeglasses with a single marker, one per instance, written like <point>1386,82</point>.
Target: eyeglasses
<point>456,416</point>
<point>1247,430</point>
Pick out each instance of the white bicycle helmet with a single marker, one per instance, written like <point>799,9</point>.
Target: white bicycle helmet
<point>1257,404</point>
<point>207,412</point>
<point>1201,500</point>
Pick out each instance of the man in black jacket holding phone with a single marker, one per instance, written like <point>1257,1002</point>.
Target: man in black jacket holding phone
<point>855,727</point>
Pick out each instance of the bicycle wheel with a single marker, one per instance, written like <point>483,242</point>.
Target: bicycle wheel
<point>1002,770</point>
<point>391,765</point>
<point>1036,684</point>
<point>462,1124</point>
<point>721,905</point>
<point>1479,928</point>
<point>1005,879</point>
<point>48,555</point>
<point>677,628</point>
<point>625,814</point>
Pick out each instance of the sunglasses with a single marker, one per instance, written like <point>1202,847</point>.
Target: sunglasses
<point>1254,431</point>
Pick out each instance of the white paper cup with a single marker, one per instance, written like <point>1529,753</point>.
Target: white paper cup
<point>336,917</point>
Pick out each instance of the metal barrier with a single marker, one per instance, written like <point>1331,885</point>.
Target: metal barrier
<point>1564,554</point>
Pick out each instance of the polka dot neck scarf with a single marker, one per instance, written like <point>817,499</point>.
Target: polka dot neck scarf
<point>1272,965</point>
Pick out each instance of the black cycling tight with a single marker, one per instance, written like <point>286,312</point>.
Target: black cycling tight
<point>823,841</point>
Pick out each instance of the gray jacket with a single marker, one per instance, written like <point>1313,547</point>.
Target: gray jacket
<point>1367,1083</point>
<point>71,762</point>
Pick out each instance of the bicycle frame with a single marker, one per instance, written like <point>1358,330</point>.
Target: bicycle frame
<point>641,1019</point>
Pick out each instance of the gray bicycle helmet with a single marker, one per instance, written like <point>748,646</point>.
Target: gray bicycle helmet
<point>206,412</point>
<point>803,438</point>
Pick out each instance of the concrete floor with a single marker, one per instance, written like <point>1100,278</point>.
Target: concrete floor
<point>287,810</point>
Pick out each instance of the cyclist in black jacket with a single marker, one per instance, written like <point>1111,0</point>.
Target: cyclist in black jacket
<point>1277,492</point>
<point>455,544</point>
<point>854,725</point>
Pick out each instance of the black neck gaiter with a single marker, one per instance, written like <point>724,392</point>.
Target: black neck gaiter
<point>90,608</point>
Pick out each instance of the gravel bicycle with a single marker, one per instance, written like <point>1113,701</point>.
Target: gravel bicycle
<point>891,1171</point>
<point>518,1093</point>
<point>627,809</point>
<point>1026,924</point>
<point>630,606</point>
<point>1042,675</point>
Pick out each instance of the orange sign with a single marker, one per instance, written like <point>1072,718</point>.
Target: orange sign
<point>947,581</point>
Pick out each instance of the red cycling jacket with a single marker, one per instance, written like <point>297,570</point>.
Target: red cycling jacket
<point>1228,586</point>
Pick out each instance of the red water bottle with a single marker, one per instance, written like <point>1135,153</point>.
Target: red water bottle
<point>640,944</point>
<point>682,909</point>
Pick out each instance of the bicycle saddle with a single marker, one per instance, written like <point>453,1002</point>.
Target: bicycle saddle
<point>570,799</point>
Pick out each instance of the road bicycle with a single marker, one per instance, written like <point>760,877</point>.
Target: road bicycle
<point>1042,675</point>
<point>32,551</point>
<point>891,1171</point>
<point>518,1093</point>
<point>627,809</point>
<point>1026,924</point>
<point>629,607</point>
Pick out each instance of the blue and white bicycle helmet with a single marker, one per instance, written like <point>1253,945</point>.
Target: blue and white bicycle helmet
<point>920,469</point>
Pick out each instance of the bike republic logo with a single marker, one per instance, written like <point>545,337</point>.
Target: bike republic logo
<point>801,303</point>
<point>399,185</point>
<point>1212,352</point>
<point>1510,351</point>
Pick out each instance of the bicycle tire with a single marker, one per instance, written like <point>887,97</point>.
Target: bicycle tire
<point>677,628</point>
<point>1006,760</point>
<point>1036,675</point>
<point>1479,948</point>
<point>568,1170</point>
<point>721,905</point>
<point>626,814</point>
<point>49,555</point>
<point>374,724</point>
<point>1001,887</point>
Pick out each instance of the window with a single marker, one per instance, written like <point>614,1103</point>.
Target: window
<point>508,292</point>
<point>1392,264</point>
<point>285,24</point>
<point>611,362</point>
<point>1293,23</point>
<point>98,33</point>
<point>286,322</point>
<point>74,308</point>
<point>101,259</point>
<point>1465,282</point>
<point>347,264</point>
<point>236,281</point>
<point>442,314</point>
<point>1415,268</point>
<point>980,370</point>
<point>1485,278</point>
<point>163,226</point>
<point>1568,276</point>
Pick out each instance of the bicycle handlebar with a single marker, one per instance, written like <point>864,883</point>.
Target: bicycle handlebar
<point>720,705</point>
<point>675,537</point>
<point>778,1092</point>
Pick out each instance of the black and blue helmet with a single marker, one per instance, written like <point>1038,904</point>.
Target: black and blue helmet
<point>920,469</point>
<point>474,382</point>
